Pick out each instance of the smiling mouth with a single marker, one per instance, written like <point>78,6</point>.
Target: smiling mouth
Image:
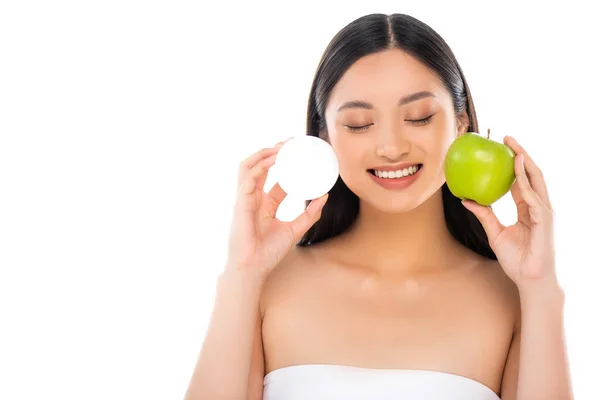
<point>396,174</point>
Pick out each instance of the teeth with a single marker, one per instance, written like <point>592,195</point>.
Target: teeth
<point>397,174</point>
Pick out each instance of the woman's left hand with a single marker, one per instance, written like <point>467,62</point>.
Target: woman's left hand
<point>525,250</point>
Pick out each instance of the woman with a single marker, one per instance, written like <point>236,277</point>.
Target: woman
<point>385,290</point>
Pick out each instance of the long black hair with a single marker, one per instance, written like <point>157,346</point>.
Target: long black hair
<point>371,34</point>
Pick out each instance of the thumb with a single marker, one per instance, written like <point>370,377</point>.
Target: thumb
<point>488,219</point>
<point>308,218</point>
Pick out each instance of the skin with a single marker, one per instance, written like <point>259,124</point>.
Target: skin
<point>412,290</point>
<point>396,291</point>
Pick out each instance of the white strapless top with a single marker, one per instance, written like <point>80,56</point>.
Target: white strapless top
<point>333,382</point>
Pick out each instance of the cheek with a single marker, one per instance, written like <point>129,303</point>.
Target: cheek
<point>441,146</point>
<point>430,146</point>
<point>351,152</point>
<point>436,144</point>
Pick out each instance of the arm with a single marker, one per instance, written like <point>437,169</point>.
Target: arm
<point>231,345</point>
<point>537,365</point>
<point>257,363</point>
<point>231,363</point>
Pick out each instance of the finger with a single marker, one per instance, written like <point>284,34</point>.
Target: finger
<point>515,192</point>
<point>263,179</point>
<point>488,219</point>
<point>254,159</point>
<point>529,195</point>
<point>273,200</point>
<point>255,178</point>
<point>277,194</point>
<point>284,141</point>
<point>538,210</point>
<point>537,180</point>
<point>300,225</point>
<point>522,207</point>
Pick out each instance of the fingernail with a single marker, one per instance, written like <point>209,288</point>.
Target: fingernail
<point>282,142</point>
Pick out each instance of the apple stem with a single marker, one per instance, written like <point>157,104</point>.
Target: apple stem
<point>488,133</point>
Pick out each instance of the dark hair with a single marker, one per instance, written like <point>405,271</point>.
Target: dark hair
<point>371,34</point>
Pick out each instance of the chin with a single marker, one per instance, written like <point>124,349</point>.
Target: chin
<point>397,201</point>
<point>392,204</point>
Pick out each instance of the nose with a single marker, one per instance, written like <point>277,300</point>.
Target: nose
<point>391,144</point>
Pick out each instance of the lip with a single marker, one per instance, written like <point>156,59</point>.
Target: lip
<point>394,167</point>
<point>397,183</point>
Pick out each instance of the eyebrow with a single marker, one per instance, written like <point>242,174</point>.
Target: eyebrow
<point>405,100</point>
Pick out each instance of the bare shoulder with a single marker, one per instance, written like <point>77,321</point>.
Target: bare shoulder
<point>288,274</point>
<point>496,277</point>
<point>497,287</point>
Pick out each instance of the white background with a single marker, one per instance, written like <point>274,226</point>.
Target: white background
<point>122,124</point>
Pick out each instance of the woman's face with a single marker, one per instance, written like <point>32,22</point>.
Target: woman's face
<point>373,120</point>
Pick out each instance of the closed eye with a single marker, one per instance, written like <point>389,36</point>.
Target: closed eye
<point>358,128</point>
<point>363,128</point>
<point>420,121</point>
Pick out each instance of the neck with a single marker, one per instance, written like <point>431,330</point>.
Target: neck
<point>413,241</point>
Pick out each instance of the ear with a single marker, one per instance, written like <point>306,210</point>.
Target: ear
<point>462,123</point>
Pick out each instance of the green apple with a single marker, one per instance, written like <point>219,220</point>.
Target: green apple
<point>479,169</point>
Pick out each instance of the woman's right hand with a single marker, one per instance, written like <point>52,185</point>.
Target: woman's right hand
<point>258,240</point>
